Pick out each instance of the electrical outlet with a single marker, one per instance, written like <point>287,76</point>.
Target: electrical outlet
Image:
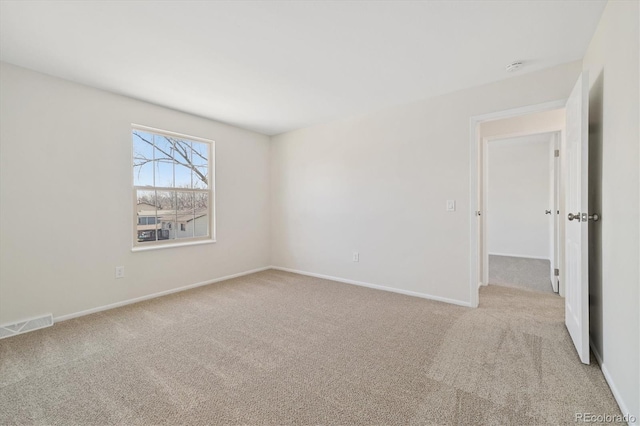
<point>356,256</point>
<point>451,205</point>
<point>119,271</point>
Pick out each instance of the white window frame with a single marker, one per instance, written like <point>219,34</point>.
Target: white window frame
<point>159,244</point>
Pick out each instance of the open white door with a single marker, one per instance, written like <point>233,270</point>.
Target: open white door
<point>577,229</point>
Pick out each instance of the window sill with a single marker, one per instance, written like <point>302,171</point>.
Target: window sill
<point>172,245</point>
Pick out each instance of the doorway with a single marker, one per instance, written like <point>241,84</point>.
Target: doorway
<point>534,119</point>
<point>520,189</point>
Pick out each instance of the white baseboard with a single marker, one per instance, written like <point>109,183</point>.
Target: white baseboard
<point>524,256</point>
<point>154,295</point>
<point>614,389</point>
<point>376,286</point>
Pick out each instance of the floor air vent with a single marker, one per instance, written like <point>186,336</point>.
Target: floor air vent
<point>9,330</point>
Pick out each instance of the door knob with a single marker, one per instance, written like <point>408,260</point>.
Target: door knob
<point>593,217</point>
<point>547,212</point>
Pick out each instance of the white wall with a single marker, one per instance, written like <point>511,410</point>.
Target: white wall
<point>378,183</point>
<point>65,199</point>
<point>519,191</point>
<point>612,60</point>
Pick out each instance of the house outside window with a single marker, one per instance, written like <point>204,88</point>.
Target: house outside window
<point>172,188</point>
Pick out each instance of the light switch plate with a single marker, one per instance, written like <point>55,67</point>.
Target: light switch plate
<point>451,205</point>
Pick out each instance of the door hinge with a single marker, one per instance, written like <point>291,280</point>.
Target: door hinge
<point>556,272</point>
<point>556,153</point>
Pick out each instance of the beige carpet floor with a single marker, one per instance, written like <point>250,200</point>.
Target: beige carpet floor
<point>275,348</point>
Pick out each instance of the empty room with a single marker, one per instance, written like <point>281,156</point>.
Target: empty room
<point>319,212</point>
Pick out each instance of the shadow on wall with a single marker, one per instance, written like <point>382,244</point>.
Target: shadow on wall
<point>595,206</point>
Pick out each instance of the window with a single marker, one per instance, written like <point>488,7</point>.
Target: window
<point>172,183</point>
<point>143,220</point>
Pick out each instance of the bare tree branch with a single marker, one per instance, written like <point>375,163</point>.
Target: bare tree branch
<point>182,148</point>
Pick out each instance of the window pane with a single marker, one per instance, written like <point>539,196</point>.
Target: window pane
<point>200,170</point>
<point>166,215</point>
<point>183,162</point>
<point>201,215</point>
<point>142,158</point>
<point>184,201</point>
<point>146,209</point>
<point>185,214</point>
<point>164,162</point>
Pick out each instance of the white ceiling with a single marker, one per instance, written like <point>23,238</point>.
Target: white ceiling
<point>274,66</point>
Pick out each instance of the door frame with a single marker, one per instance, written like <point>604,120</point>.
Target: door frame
<point>556,138</point>
<point>556,241</point>
<point>475,181</point>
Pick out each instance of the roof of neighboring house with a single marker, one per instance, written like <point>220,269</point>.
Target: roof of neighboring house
<point>188,217</point>
<point>173,216</point>
<point>153,213</point>
<point>145,207</point>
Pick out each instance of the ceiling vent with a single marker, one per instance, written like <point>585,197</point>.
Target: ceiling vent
<point>514,66</point>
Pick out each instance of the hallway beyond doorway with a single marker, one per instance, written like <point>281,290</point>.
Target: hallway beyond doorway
<point>521,272</point>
